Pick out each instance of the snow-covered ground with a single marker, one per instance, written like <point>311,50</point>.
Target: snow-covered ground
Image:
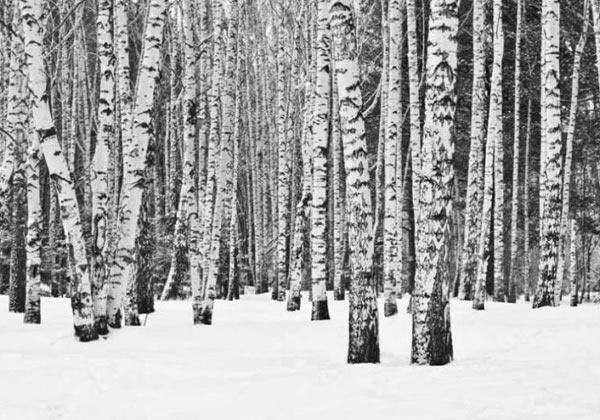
<point>260,362</point>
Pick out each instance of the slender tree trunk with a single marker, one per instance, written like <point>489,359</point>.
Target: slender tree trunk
<point>363,345</point>
<point>284,171</point>
<point>414,98</point>
<point>496,132</point>
<point>34,241</point>
<point>474,199</point>
<point>514,224</point>
<point>392,231</point>
<point>320,130</point>
<point>526,222</point>
<point>339,199</point>
<point>100,164</point>
<point>573,263</point>
<point>551,165</point>
<point>15,176</point>
<point>432,338</point>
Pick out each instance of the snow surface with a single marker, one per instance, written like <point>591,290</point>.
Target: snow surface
<point>260,362</point>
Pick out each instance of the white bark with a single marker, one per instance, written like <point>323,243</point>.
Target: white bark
<point>392,231</point>
<point>363,345</point>
<point>135,148</point>
<point>100,163</point>
<point>432,338</point>
<point>320,130</point>
<point>551,159</point>
<point>81,300</point>
<point>474,199</point>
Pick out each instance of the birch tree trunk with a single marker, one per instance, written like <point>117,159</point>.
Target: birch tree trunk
<point>414,97</point>
<point>474,200</point>
<point>189,192</point>
<point>551,163</point>
<point>320,130</point>
<point>284,171</point>
<point>432,338</point>
<point>526,250</point>
<point>363,345</point>
<point>34,241</point>
<point>100,163</point>
<point>134,157</point>
<point>223,181</point>
<point>392,232</point>
<point>574,300</point>
<point>339,198</point>
<point>81,300</point>
<point>514,224</point>
<point>566,182</point>
<point>496,132</point>
<point>15,176</point>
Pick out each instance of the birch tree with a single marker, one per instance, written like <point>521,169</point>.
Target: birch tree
<point>363,345</point>
<point>432,338</point>
<point>81,299</point>
<point>565,227</point>
<point>496,132</point>
<point>393,144</point>
<point>320,131</point>
<point>474,200</point>
<point>34,241</point>
<point>551,160</point>
<point>134,157</point>
<point>514,227</point>
<point>100,163</point>
<point>284,169</point>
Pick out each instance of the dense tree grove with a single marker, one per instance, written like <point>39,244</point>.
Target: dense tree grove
<point>207,149</point>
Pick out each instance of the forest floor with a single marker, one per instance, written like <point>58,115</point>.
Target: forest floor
<point>258,361</point>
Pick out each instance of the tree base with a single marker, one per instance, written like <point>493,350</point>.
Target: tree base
<point>101,325</point>
<point>294,303</point>
<point>86,333</point>
<point>32,318</point>
<point>338,294</point>
<point>133,320</point>
<point>478,306</point>
<point>202,314</point>
<point>116,321</point>
<point>320,310</point>
<point>390,309</point>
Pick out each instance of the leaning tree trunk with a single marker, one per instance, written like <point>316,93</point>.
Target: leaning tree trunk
<point>392,232</point>
<point>551,162</point>
<point>495,132</point>
<point>474,201</point>
<point>81,299</point>
<point>320,130</point>
<point>432,338</point>
<point>100,163</point>
<point>363,345</point>
<point>135,148</point>
<point>566,182</point>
